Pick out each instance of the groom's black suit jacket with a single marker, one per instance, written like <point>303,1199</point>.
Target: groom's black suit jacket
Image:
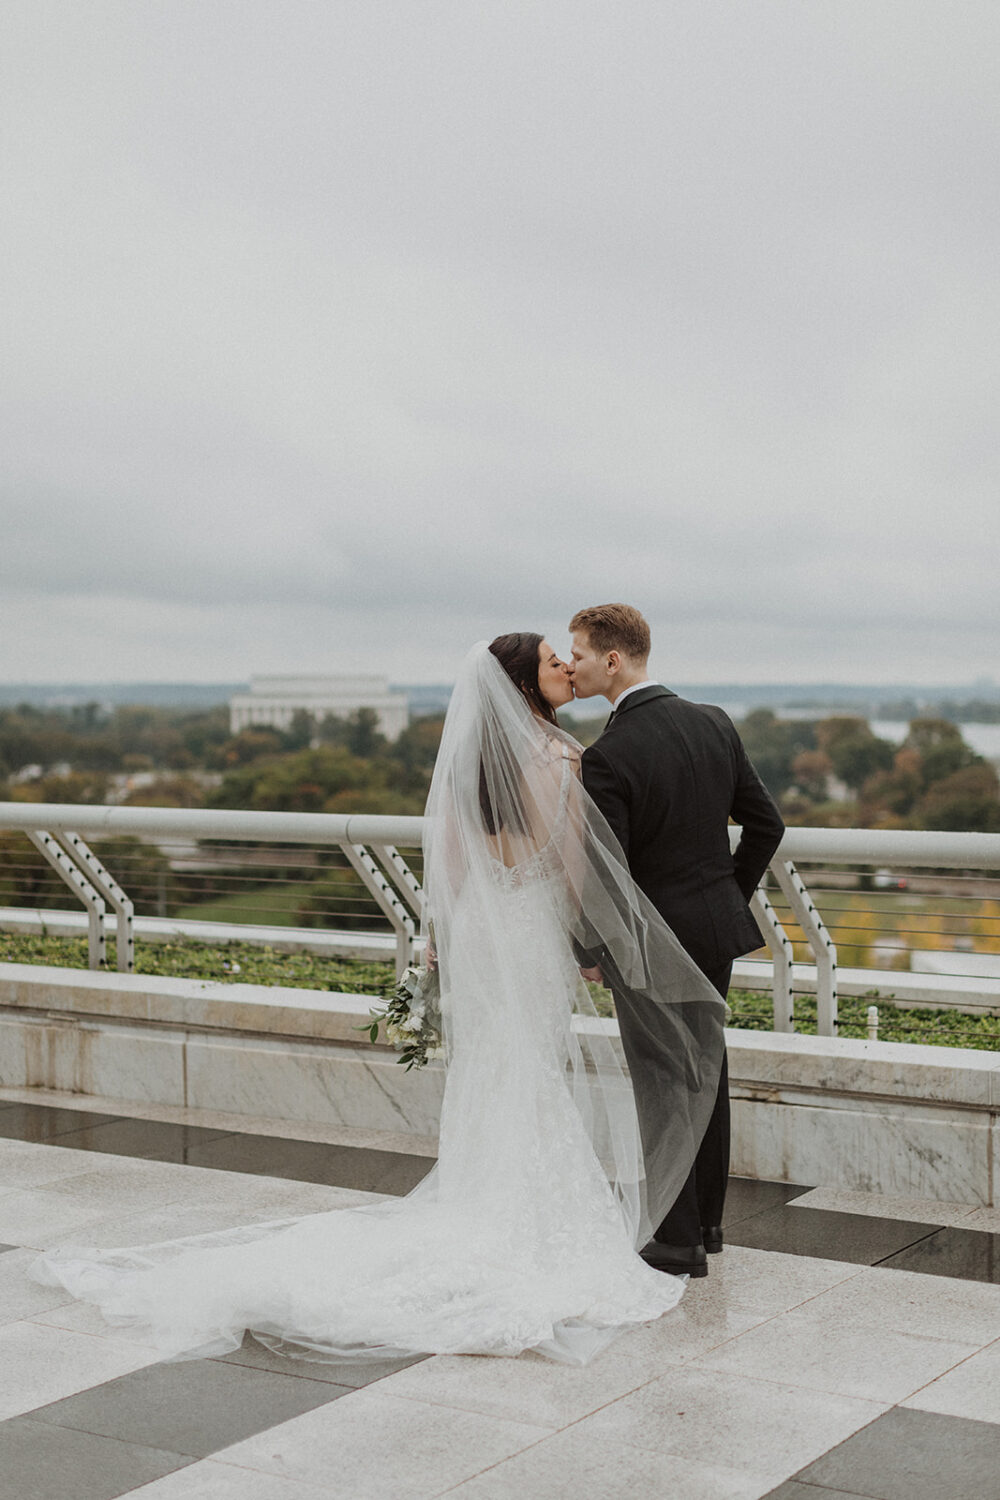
<point>668,775</point>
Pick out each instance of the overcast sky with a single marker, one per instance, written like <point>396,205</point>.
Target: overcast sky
<point>338,334</point>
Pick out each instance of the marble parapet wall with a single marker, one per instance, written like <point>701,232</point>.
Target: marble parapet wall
<point>881,1117</point>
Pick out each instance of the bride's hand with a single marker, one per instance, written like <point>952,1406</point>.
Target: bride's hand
<point>592,976</point>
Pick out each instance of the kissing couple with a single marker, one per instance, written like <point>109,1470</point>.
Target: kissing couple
<point>582,1164</point>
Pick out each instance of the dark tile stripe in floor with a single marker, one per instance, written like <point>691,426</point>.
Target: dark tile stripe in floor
<point>905,1455</point>
<point>114,1437</point>
<point>862,1239</point>
<point>759,1215</point>
<point>371,1171</point>
<point>828,1234</point>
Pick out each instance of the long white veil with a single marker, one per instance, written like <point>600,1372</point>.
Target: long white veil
<point>507,811</point>
<point>553,1160</point>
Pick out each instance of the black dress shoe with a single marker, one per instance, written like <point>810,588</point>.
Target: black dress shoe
<point>678,1260</point>
<point>711,1238</point>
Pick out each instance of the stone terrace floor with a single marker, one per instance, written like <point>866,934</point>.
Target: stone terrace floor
<point>842,1345</point>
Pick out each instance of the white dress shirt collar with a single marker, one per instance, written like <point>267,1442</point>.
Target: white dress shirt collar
<point>636,687</point>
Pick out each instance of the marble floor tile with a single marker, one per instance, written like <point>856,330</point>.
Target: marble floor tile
<point>970,1254</point>
<point>35,1217</point>
<point>257,1201</point>
<point>371,1445</point>
<point>21,1297</point>
<point>852,1237</point>
<point>793,1489</point>
<point>154,1139</point>
<point>526,1389</point>
<point>971,1389</point>
<point>984,1218</point>
<point>756,1427</point>
<point>25,1164</point>
<point>37,1122</point>
<point>921,1210</point>
<point>119,1185</point>
<point>173,1221</point>
<point>929,1306</point>
<point>747,1196</point>
<point>188,1406</point>
<point>207,1479</point>
<point>575,1464</point>
<point>42,1463</point>
<point>913,1455</point>
<point>39,1364</point>
<point>82,1317</point>
<point>806,1349</point>
<point>744,1280</point>
<point>533,1389</point>
<point>353,1373</point>
<point>337,1166</point>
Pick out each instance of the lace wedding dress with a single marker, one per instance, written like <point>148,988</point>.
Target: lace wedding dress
<point>524,1234</point>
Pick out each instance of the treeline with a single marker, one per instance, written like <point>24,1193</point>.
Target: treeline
<point>836,772</point>
<point>93,739</point>
<point>189,759</point>
<point>830,771</point>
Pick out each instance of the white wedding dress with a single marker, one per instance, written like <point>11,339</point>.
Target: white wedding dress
<point>524,1234</point>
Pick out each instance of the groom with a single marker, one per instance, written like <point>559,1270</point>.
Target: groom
<point>668,775</point>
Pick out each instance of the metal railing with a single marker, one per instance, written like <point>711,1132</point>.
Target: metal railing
<point>814,867</point>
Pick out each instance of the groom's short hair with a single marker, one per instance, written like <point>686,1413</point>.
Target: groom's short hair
<point>614,627</point>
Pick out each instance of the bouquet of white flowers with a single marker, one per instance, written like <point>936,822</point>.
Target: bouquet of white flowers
<point>412,1018</point>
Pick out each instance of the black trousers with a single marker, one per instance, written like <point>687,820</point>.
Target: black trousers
<point>701,1200</point>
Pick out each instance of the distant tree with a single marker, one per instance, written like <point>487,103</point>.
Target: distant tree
<point>168,791</point>
<point>812,770</point>
<point>247,746</point>
<point>74,786</point>
<point>773,744</point>
<point>966,801</point>
<point>327,779</point>
<point>300,732</point>
<point>363,737</point>
<point>332,730</point>
<point>941,748</point>
<point>416,750</point>
<point>888,797</point>
<point>854,751</point>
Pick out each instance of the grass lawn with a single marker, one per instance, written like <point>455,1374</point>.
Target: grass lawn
<point>274,906</point>
<point>856,920</point>
<point>245,963</point>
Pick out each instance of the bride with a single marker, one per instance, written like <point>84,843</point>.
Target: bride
<point>553,1161</point>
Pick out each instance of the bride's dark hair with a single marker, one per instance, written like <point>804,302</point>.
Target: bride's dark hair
<point>517,653</point>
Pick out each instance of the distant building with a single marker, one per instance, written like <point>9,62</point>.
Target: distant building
<point>274,702</point>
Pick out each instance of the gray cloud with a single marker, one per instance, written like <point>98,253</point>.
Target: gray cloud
<point>369,330</point>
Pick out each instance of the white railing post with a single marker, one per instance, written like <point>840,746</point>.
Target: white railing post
<point>389,903</point>
<point>78,882</point>
<point>409,887</point>
<point>780,948</point>
<point>111,891</point>
<point>820,942</point>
